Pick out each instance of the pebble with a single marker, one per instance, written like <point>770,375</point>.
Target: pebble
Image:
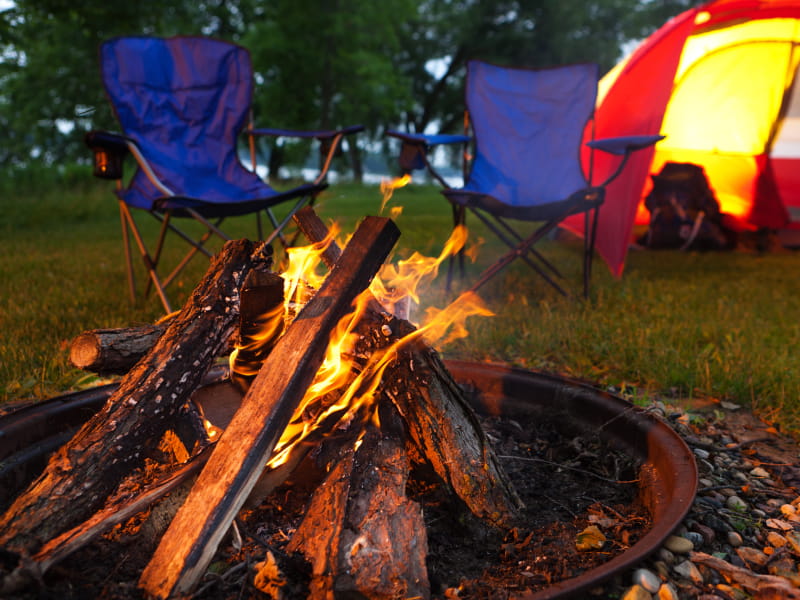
<point>735,539</point>
<point>688,569</point>
<point>636,592</point>
<point>678,544</point>
<point>736,503</point>
<point>694,537</point>
<point>667,592</point>
<point>759,472</point>
<point>647,579</point>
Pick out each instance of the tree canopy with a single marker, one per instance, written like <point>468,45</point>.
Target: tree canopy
<point>318,63</point>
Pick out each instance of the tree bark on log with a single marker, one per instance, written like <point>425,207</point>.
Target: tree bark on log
<point>150,400</point>
<point>243,449</point>
<point>441,422</point>
<point>113,351</point>
<point>363,537</point>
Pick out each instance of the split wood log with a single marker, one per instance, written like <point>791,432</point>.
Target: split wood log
<point>363,537</point>
<point>243,449</point>
<point>764,586</point>
<point>34,568</point>
<point>441,421</point>
<point>150,400</point>
<point>261,317</point>
<point>113,351</point>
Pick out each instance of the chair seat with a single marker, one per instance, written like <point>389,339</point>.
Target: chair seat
<point>233,207</point>
<point>578,202</point>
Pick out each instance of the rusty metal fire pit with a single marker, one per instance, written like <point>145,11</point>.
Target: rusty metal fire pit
<point>668,472</point>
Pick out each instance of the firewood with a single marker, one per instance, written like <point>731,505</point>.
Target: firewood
<point>241,452</point>
<point>113,351</point>
<point>261,324</point>
<point>363,537</point>
<point>771,586</point>
<point>33,569</point>
<point>442,423</point>
<point>150,400</point>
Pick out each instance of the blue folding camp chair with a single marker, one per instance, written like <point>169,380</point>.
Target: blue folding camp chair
<point>182,103</point>
<point>527,130</point>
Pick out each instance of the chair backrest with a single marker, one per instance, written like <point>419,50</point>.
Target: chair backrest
<point>528,126</point>
<point>183,100</point>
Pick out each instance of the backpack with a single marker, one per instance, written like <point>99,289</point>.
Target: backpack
<point>684,212</point>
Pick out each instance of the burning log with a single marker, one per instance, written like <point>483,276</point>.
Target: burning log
<point>440,420</point>
<point>113,351</point>
<point>239,456</point>
<point>149,401</point>
<point>363,537</point>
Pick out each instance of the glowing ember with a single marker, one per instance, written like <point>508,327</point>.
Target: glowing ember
<point>212,430</point>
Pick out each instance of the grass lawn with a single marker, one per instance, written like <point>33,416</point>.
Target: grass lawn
<point>718,325</point>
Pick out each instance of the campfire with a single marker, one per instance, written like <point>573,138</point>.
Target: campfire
<point>325,366</point>
<point>335,387</point>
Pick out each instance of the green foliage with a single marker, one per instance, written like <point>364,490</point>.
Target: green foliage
<point>678,324</point>
<point>319,63</point>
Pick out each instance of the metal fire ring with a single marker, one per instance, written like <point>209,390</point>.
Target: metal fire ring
<point>30,433</point>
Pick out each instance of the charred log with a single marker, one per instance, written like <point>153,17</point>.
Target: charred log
<point>150,400</point>
<point>363,537</point>
<point>113,351</point>
<point>239,456</point>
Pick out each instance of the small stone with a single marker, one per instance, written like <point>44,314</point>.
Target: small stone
<point>662,570</point>
<point>688,569</point>
<point>752,556</point>
<point>636,592</point>
<point>759,472</point>
<point>667,592</point>
<point>736,503</point>
<point>665,555</point>
<point>735,539</point>
<point>647,579</point>
<point>694,537</point>
<point>705,483</point>
<point>706,532</point>
<point>729,405</point>
<point>678,544</point>
<point>701,454</point>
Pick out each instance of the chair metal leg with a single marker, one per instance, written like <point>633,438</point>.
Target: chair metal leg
<point>589,238</point>
<point>126,245</point>
<point>146,258</point>
<point>520,250</point>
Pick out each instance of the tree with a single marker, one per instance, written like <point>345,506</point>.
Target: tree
<point>323,64</point>
<point>50,88</point>
<point>532,33</point>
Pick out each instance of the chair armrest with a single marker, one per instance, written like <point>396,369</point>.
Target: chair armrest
<point>422,139</point>
<point>415,147</point>
<point>109,151</point>
<point>624,144</point>
<point>300,133</point>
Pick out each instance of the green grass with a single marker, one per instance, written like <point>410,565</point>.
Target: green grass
<point>686,325</point>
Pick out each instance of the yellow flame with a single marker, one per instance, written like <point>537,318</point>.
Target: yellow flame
<point>388,186</point>
<point>301,271</point>
<point>398,282</point>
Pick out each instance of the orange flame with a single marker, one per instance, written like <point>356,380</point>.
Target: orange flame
<point>300,276</point>
<point>388,186</point>
<point>404,280</point>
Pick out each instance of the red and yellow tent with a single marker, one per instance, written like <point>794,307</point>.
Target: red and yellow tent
<point>719,81</point>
